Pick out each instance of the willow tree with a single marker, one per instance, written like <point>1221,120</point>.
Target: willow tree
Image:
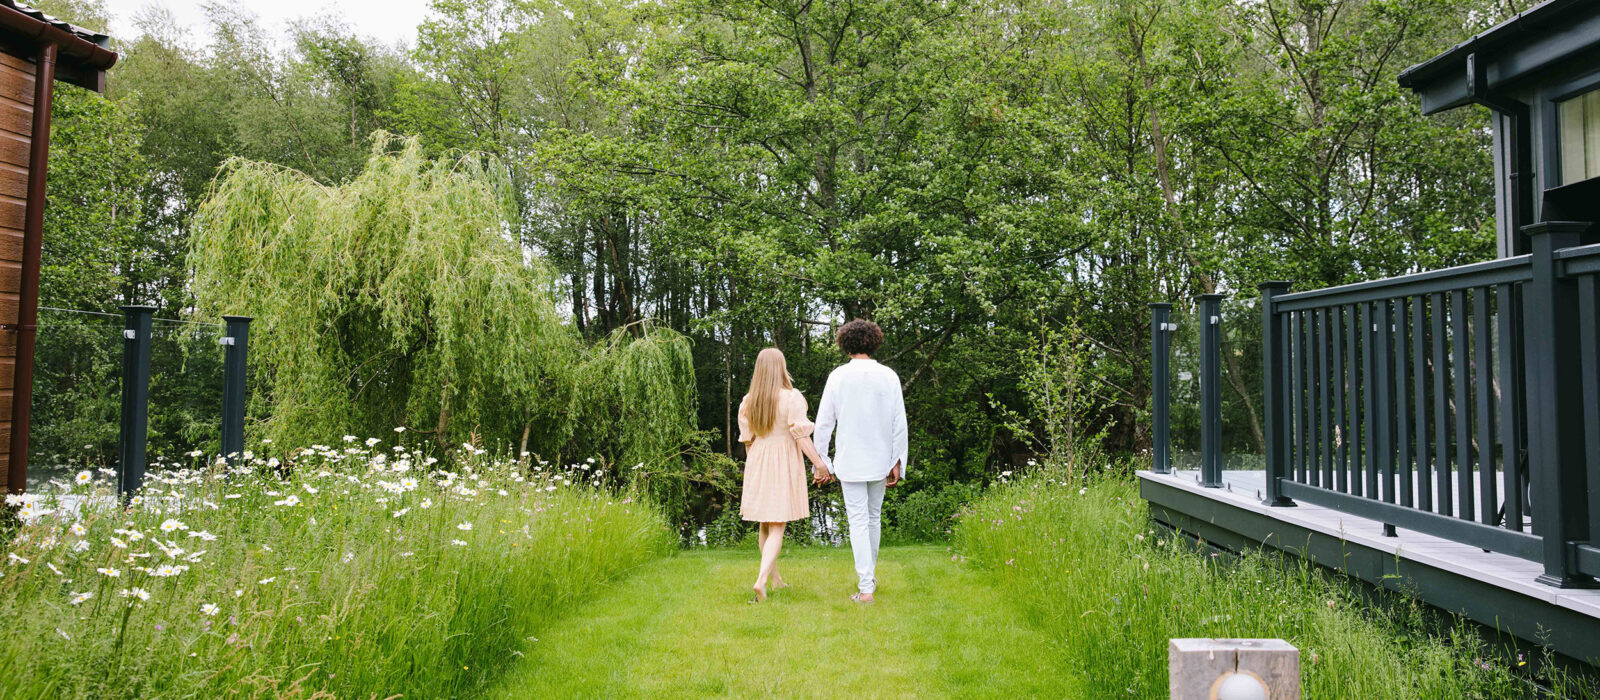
<point>394,299</point>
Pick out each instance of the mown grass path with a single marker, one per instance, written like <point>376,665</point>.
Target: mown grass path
<point>681,627</point>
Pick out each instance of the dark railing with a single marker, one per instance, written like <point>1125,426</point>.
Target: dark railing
<point>1463,403</point>
<point>1398,400</point>
<point>137,334</point>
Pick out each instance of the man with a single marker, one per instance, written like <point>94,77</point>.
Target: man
<point>862,398</point>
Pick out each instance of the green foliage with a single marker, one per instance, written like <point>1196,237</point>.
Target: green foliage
<point>1056,377</point>
<point>728,529</point>
<point>357,575</point>
<point>392,300</point>
<point>926,515</point>
<point>1091,569</point>
<point>750,175</point>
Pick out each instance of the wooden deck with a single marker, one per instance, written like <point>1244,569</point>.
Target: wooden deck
<point>1497,590</point>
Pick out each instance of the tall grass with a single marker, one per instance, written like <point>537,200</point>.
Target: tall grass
<point>355,571</point>
<point>1083,557</point>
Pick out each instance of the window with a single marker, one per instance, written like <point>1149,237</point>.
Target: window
<point>1580,137</point>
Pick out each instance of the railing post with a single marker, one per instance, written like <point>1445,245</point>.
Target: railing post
<point>135,397</point>
<point>1555,405</point>
<point>1272,398</point>
<point>1210,389</point>
<point>237,341</point>
<point>1160,388</point>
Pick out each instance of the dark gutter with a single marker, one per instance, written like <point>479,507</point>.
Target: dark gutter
<point>1532,21</point>
<point>73,45</point>
<point>32,244</point>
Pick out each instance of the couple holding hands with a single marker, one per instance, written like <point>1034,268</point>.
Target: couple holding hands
<point>862,401</point>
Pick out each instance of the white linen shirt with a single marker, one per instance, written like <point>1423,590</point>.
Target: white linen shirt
<point>862,398</point>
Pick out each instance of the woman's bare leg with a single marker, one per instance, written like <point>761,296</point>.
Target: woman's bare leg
<point>770,546</point>
<point>761,549</point>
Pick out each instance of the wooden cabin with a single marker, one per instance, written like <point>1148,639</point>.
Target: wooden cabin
<point>1539,75</point>
<point>35,52</point>
<point>1439,433</point>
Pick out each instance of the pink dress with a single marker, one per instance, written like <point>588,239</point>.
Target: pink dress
<point>774,470</point>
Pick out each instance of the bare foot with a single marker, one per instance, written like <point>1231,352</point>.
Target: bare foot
<point>863,598</point>
<point>761,593</point>
<point>778,583</point>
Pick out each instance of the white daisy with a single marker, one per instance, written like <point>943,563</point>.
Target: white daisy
<point>80,597</point>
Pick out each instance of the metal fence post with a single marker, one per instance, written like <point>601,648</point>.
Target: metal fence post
<point>135,397</point>
<point>1210,389</point>
<point>1160,387</point>
<point>1272,394</point>
<point>237,341</point>
<point>1555,405</point>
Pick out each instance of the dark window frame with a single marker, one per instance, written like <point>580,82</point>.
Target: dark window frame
<point>1550,99</point>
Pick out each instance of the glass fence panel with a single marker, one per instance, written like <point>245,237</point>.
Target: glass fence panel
<point>1184,375</point>
<point>186,380</point>
<point>76,394</point>
<point>1240,390</point>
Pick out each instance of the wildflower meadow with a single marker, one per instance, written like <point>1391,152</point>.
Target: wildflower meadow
<point>1088,565</point>
<point>362,569</point>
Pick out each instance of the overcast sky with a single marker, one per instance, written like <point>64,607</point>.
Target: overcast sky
<point>389,21</point>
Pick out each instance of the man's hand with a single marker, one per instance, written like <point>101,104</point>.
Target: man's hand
<point>823,476</point>
<point>894,475</point>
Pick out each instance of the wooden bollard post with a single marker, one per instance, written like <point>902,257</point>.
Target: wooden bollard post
<point>1233,669</point>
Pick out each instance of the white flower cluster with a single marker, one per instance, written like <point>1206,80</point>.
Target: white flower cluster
<point>144,547</point>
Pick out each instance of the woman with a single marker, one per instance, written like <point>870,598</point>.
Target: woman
<point>775,432</point>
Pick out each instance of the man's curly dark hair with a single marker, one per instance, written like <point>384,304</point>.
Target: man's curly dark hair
<point>859,337</point>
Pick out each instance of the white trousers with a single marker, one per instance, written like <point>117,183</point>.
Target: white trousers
<point>863,507</point>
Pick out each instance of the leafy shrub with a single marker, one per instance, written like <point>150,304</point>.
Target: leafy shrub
<point>927,515</point>
<point>728,529</point>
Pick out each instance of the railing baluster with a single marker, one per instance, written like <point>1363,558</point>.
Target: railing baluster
<point>1460,372</point>
<point>1441,409</point>
<point>1352,400</point>
<point>1314,390</point>
<point>1341,434</point>
<point>1325,380</point>
<point>1510,405</point>
<point>1402,403</point>
<point>1483,366</point>
<point>1383,419</point>
<point>1297,392</point>
<point>1369,463</point>
<point>1419,397</point>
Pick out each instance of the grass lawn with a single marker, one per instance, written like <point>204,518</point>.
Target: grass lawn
<point>682,627</point>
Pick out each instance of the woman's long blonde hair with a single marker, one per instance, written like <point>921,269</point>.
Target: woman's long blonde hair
<point>767,385</point>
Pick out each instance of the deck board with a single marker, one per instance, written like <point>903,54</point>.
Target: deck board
<point>1241,488</point>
